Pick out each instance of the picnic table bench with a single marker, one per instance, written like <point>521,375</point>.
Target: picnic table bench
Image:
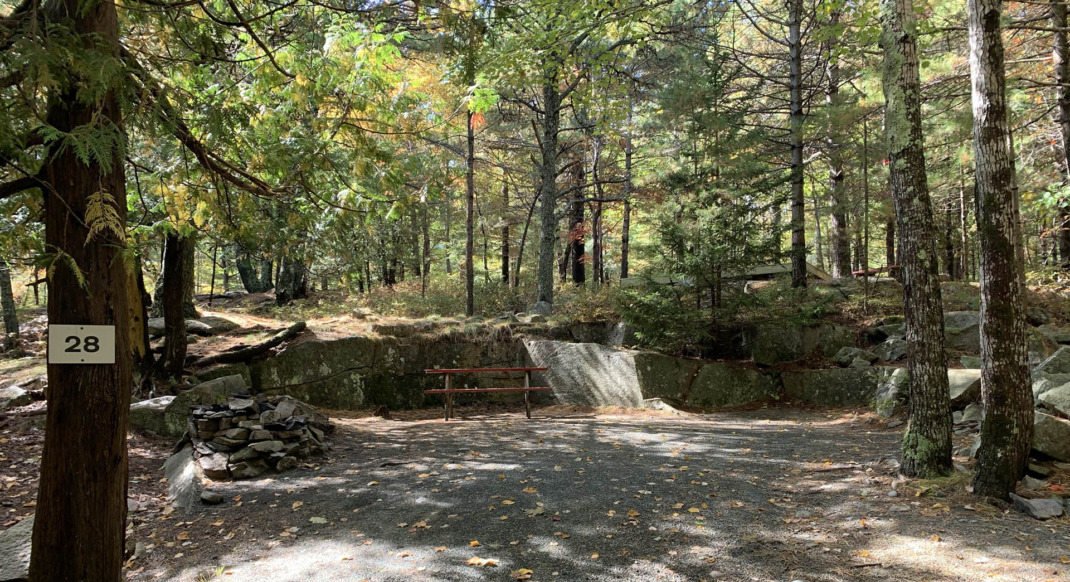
<point>449,391</point>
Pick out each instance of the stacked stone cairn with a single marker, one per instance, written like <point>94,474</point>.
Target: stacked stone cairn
<point>246,436</point>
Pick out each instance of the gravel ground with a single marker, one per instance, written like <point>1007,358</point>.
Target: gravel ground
<point>773,495</point>
<point>768,495</point>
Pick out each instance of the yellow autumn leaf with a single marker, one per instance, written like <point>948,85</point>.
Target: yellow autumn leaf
<point>473,543</point>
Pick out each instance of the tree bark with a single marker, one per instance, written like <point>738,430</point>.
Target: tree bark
<point>505,233</point>
<point>798,201</point>
<point>840,237</point>
<point>425,225</point>
<point>626,221</point>
<point>80,520</point>
<point>170,301</point>
<point>577,257</point>
<point>889,241</point>
<point>469,220</point>
<point>926,449</point>
<point>7,304</point>
<point>951,261</point>
<point>267,268</point>
<point>1007,427</point>
<point>819,246</point>
<point>187,246</point>
<point>551,102</point>
<point>293,281</point>
<point>1061,60</point>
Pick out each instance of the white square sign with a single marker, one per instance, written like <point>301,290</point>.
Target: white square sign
<point>81,344</point>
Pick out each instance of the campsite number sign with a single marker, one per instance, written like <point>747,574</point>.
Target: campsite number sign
<point>81,344</point>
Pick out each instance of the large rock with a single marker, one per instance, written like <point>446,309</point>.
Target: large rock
<point>204,326</point>
<point>834,387</point>
<point>661,376</point>
<point>212,392</point>
<point>15,551</point>
<point>149,415</point>
<point>1038,508</point>
<point>964,386</point>
<point>1057,363</point>
<point>13,396</point>
<point>720,384</point>
<point>588,374</point>
<point>212,325</point>
<point>1043,383</point>
<point>1057,399</point>
<point>893,330</point>
<point>1038,348</point>
<point>962,331</point>
<point>892,391</point>
<point>589,332</point>
<point>540,308</point>
<point>183,479</point>
<point>1055,333</point>
<point>892,350</point>
<point>848,354</point>
<point>772,344</point>
<point>223,370</point>
<point>1051,436</point>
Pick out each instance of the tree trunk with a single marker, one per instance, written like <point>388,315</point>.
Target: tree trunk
<point>798,201</point>
<point>950,252</point>
<point>447,208</point>
<point>1061,60</point>
<point>551,103</point>
<point>819,247</point>
<point>417,258</point>
<point>1007,427</point>
<point>80,520</point>
<point>505,233</point>
<point>139,299</point>
<point>187,246</point>
<point>889,241</point>
<point>576,241</point>
<point>250,279</point>
<point>267,268</point>
<point>469,220</point>
<point>7,304</point>
<point>840,237</point>
<point>926,449</point>
<point>170,301</point>
<point>626,222</point>
<point>425,225</point>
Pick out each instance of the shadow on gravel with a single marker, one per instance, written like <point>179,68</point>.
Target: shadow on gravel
<point>741,496</point>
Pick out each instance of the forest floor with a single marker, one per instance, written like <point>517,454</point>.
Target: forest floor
<point>773,494</point>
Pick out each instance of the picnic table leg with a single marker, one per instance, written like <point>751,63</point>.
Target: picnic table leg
<point>449,398</point>
<point>527,394</point>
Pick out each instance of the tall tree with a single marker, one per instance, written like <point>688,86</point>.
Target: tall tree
<point>1061,62</point>
<point>840,236</point>
<point>926,449</point>
<point>797,116</point>
<point>170,301</point>
<point>7,308</point>
<point>1007,427</point>
<point>80,524</point>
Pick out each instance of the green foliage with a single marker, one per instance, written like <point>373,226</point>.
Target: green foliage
<point>662,317</point>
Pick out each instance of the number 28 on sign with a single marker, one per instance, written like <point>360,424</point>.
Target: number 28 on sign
<point>81,344</point>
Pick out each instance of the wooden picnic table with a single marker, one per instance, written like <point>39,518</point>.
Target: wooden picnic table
<point>449,391</point>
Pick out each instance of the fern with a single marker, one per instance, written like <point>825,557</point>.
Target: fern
<point>102,215</point>
<point>59,257</point>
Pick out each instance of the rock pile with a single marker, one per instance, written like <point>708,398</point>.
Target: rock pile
<point>246,436</point>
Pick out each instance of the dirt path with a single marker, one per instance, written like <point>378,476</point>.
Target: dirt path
<point>764,495</point>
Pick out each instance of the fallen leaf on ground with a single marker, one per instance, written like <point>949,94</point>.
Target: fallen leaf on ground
<point>483,562</point>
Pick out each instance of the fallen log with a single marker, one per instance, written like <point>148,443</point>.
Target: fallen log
<point>249,352</point>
